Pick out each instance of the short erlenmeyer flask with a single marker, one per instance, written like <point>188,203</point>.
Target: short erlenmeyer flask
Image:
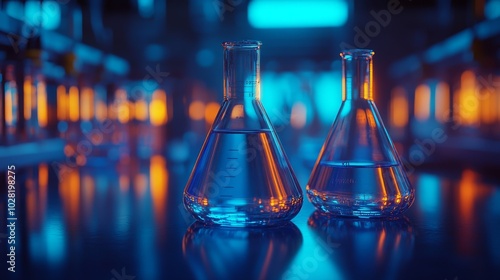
<point>358,171</point>
<point>242,176</point>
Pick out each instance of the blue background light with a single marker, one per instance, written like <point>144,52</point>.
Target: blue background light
<point>297,14</point>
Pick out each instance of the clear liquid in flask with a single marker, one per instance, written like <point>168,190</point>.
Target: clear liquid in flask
<point>359,190</point>
<point>243,183</point>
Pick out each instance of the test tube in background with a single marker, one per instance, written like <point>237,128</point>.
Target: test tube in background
<point>143,114</point>
<point>160,111</point>
<point>119,114</point>
<point>73,112</point>
<point>141,99</point>
<point>62,110</point>
<point>11,105</point>
<point>35,106</point>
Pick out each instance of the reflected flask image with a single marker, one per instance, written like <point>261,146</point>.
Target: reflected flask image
<point>358,172</point>
<point>242,176</point>
<point>381,247</point>
<point>215,252</point>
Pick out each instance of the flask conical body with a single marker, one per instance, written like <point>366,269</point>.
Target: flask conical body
<point>242,176</point>
<point>358,172</point>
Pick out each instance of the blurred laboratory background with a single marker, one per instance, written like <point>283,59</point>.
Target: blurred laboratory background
<point>138,78</point>
<point>104,106</point>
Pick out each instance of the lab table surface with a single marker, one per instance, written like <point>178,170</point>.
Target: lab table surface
<point>125,220</point>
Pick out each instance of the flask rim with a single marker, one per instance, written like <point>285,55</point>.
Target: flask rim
<point>242,44</point>
<point>357,53</point>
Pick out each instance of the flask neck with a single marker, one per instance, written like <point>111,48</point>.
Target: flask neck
<point>357,74</point>
<point>242,70</point>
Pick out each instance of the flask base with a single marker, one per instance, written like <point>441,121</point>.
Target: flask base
<point>359,206</point>
<point>242,212</point>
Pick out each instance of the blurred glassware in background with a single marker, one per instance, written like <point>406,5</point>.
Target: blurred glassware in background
<point>358,172</point>
<point>10,104</point>
<point>35,95</point>
<point>242,176</point>
<point>120,137</point>
<point>303,104</point>
<point>381,248</point>
<point>251,253</point>
<point>449,82</point>
<point>150,110</point>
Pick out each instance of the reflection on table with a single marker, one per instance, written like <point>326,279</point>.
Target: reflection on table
<point>215,252</point>
<point>89,223</point>
<point>380,247</point>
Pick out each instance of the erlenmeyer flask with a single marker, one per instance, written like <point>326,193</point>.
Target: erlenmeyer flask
<point>242,176</point>
<point>358,171</point>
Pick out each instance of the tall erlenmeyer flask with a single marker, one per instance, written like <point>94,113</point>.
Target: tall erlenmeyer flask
<point>242,176</point>
<point>358,171</point>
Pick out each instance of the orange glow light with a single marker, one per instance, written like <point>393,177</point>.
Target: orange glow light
<point>62,103</point>
<point>140,184</point>
<point>366,93</point>
<point>88,192</point>
<point>380,245</point>
<point>123,112</point>
<point>101,110</point>
<point>43,175</point>
<point>466,195</point>
<point>197,110</point>
<point>87,101</point>
<point>74,104</point>
<point>399,108</point>
<point>43,181</point>
<point>422,102</point>
<point>111,112</point>
<point>398,192</point>
<point>121,108</point>
<point>470,193</point>
<point>276,181</point>
<point>211,112</point>
<point>467,192</point>
<point>31,203</point>
<point>489,106</point>
<point>382,185</point>
<point>362,121</point>
<point>9,107</point>
<point>141,110</point>
<point>370,93</point>
<point>158,175</point>
<point>69,191</point>
<point>442,102</point>
<point>371,119</point>
<point>124,182</point>
<point>468,101</point>
<point>42,104</point>
<point>28,91</point>
<point>158,108</point>
<point>237,112</point>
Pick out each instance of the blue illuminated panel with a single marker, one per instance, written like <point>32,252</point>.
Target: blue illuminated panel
<point>297,14</point>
